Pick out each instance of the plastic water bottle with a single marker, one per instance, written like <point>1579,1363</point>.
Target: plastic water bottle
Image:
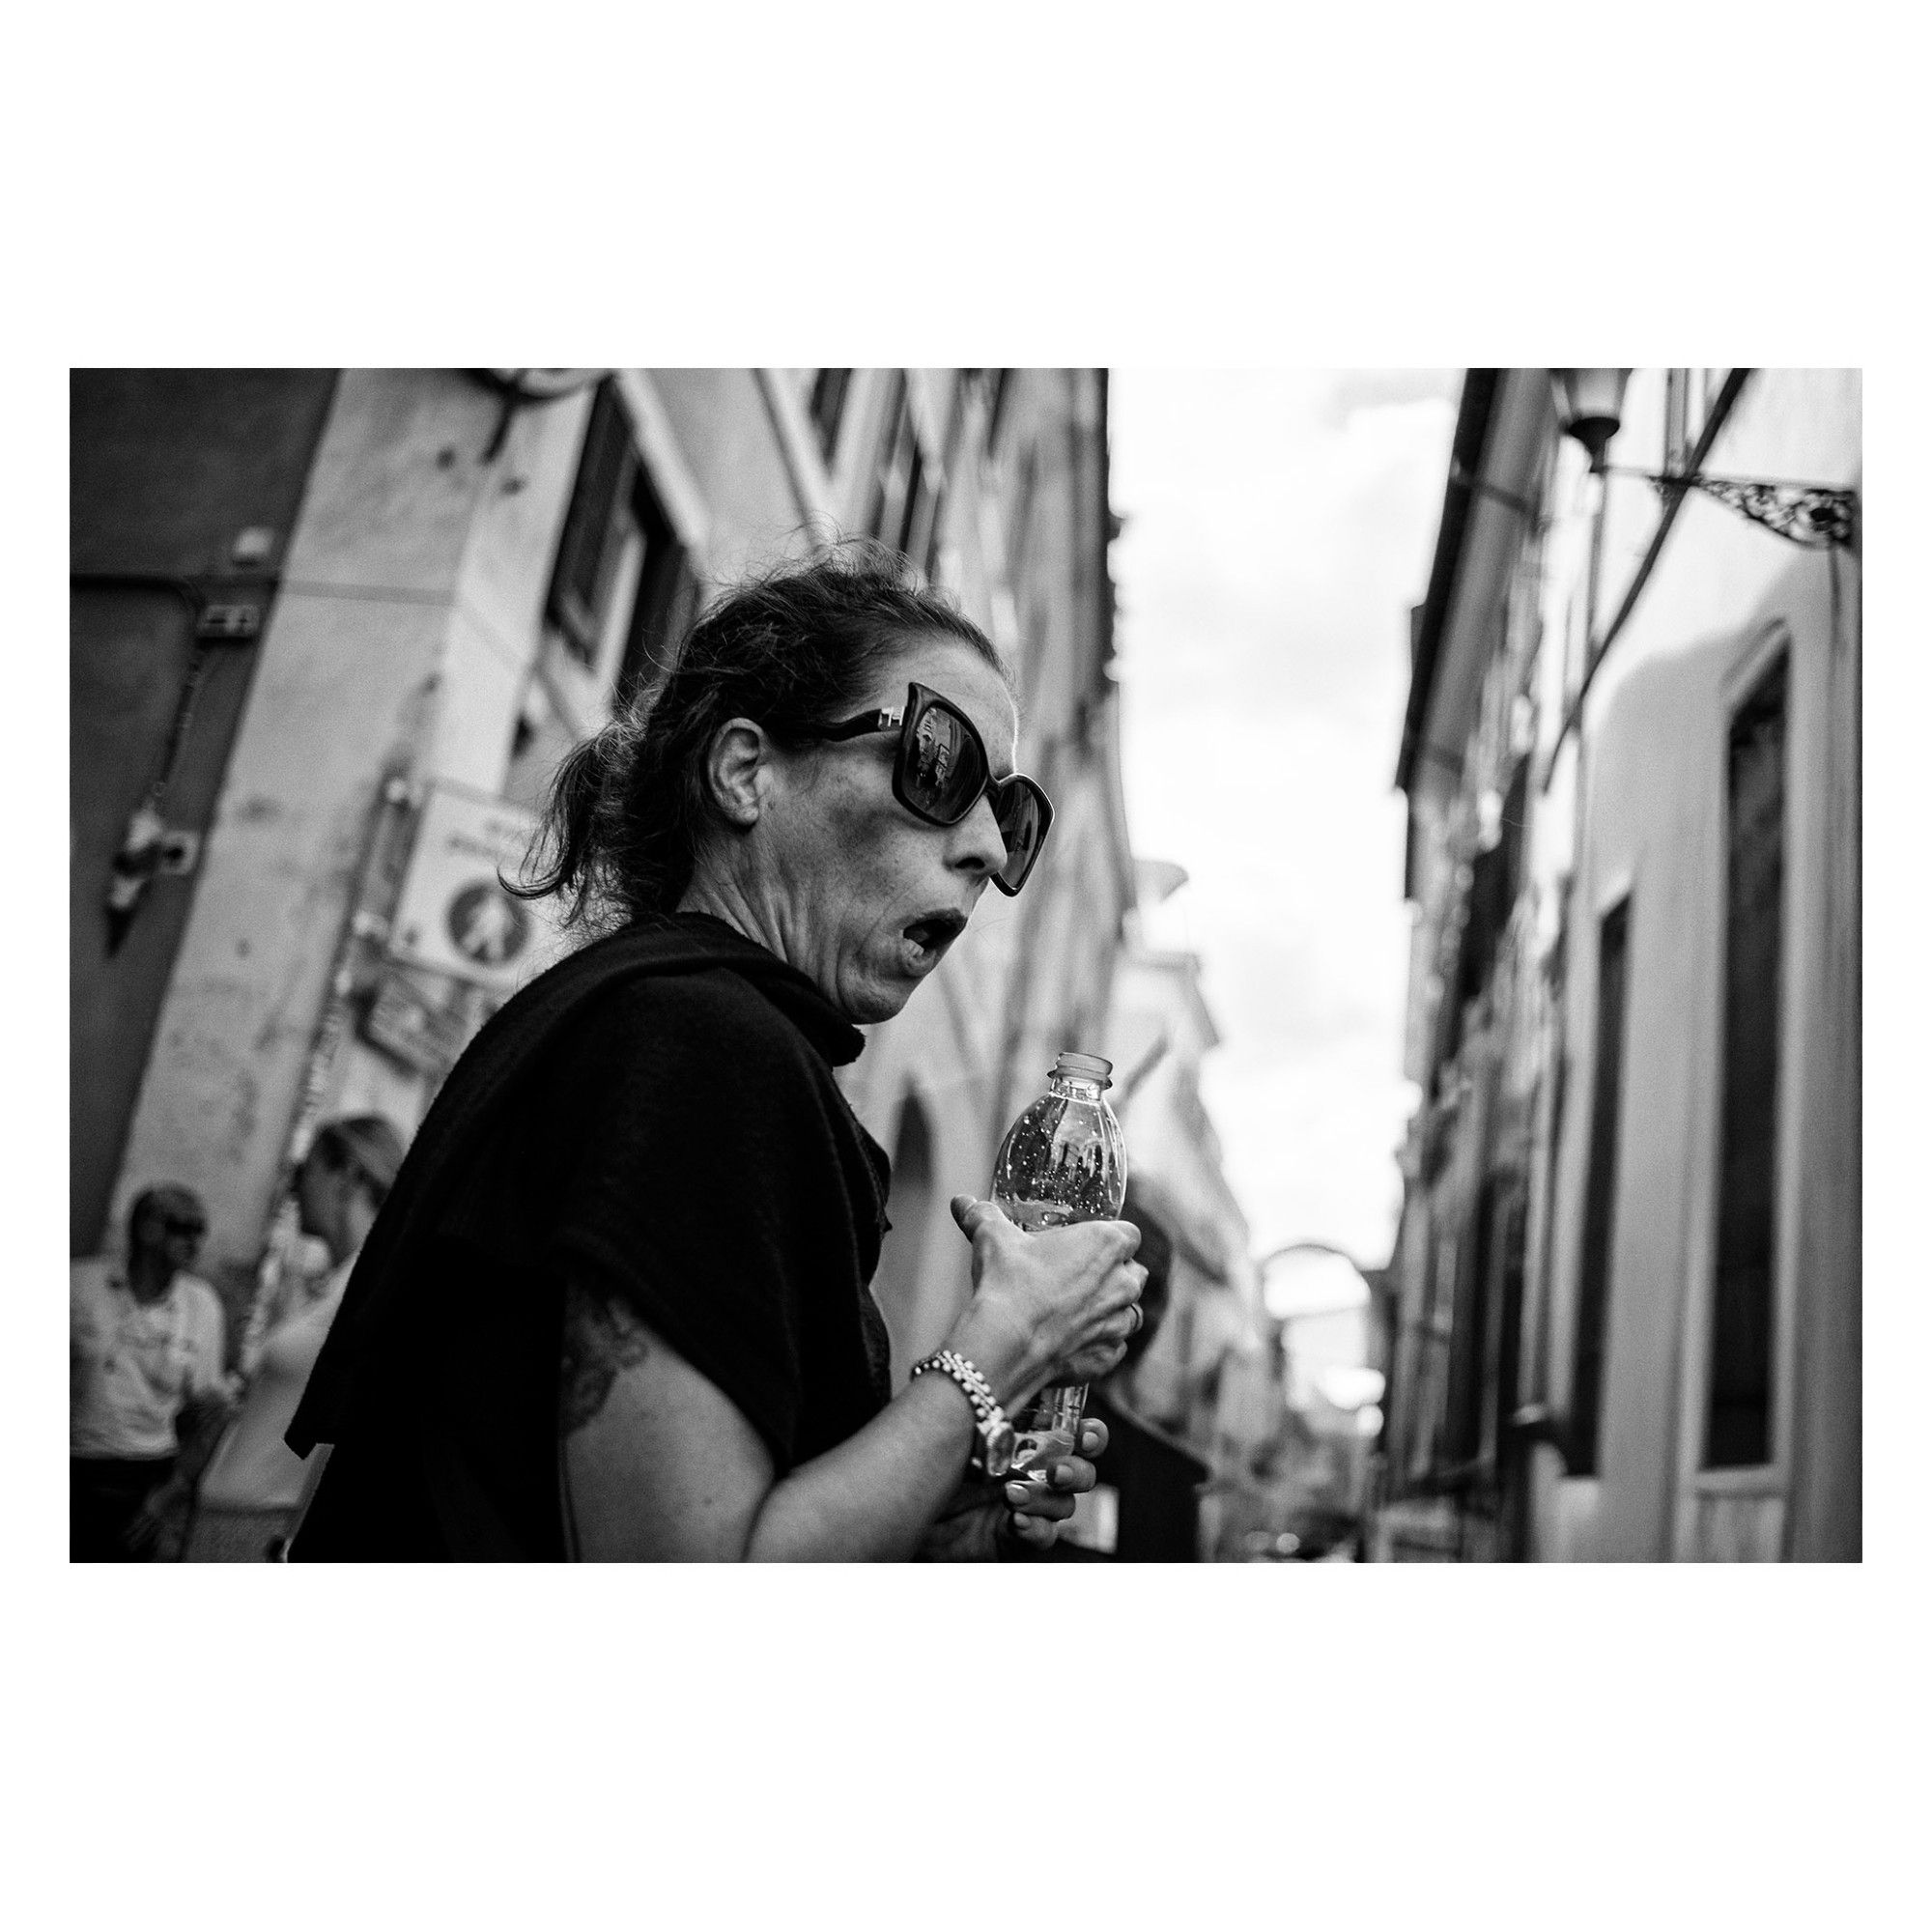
<point>1062,1161</point>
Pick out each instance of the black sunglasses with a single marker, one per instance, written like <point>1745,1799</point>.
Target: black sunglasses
<point>942,772</point>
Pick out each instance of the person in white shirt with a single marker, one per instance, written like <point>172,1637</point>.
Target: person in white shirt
<point>249,1491</point>
<point>145,1346</point>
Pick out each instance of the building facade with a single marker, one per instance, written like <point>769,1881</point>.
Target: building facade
<point>1210,1378</point>
<point>323,619</point>
<point>1626,1288</point>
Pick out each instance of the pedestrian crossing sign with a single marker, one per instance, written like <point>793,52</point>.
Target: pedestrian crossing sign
<point>453,915</point>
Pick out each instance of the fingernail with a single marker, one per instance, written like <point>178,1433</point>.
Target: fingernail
<point>1016,1493</point>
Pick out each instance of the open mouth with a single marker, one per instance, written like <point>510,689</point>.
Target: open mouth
<point>930,936</point>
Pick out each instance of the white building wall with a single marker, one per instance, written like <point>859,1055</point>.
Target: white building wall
<point>397,647</point>
<point>404,639</point>
<point>1651,821</point>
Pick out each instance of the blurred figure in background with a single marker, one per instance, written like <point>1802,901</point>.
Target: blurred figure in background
<point>1148,1508</point>
<point>145,1346</point>
<point>252,1485</point>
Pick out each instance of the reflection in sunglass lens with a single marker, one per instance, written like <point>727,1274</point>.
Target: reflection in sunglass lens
<point>944,769</point>
<point>941,775</point>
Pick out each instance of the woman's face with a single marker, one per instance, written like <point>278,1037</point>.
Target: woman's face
<point>862,897</point>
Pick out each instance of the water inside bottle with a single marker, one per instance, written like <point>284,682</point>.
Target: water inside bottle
<point>1044,1432</point>
<point>1062,1161</point>
<point>1031,1216</point>
<point>1049,1431</point>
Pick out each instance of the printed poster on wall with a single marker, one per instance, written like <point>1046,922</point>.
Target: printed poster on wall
<point>453,915</point>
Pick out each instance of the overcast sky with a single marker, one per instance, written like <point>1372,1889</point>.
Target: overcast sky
<point>1279,525</point>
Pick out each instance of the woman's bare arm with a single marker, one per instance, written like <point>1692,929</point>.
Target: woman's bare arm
<point>660,1464</point>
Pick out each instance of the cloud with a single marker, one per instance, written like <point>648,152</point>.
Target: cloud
<point>1356,389</point>
<point>1281,558</point>
<point>1279,527</point>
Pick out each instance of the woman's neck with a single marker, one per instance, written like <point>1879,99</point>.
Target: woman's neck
<point>724,900</point>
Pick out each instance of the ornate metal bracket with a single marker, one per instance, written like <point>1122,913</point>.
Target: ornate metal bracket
<point>1807,514</point>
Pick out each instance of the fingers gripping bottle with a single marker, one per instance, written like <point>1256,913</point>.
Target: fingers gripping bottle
<point>1062,1161</point>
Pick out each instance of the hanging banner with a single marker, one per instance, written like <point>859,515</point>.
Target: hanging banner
<point>452,915</point>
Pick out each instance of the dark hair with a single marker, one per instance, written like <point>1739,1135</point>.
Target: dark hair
<point>168,1197</point>
<point>793,648</point>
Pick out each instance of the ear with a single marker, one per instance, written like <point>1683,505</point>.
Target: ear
<point>737,769</point>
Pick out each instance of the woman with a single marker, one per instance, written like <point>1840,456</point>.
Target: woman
<point>618,1304</point>
<point>252,1485</point>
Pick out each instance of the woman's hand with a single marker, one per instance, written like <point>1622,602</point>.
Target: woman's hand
<point>1038,1505</point>
<point>1052,1307</point>
<point>987,1520</point>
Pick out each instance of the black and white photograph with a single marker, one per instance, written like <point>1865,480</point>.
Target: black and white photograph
<point>620,920</point>
<point>923,907</point>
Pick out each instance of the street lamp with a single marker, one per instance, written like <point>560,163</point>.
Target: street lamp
<point>1589,405</point>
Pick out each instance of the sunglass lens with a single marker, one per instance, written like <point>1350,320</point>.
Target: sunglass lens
<point>1017,808</point>
<point>943,767</point>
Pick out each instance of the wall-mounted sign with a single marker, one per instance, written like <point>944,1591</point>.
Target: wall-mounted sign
<point>412,1027</point>
<point>453,916</point>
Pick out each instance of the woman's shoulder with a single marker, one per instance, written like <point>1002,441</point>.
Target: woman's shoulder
<point>709,1017</point>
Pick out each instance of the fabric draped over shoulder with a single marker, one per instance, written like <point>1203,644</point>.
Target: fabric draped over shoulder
<point>655,1116</point>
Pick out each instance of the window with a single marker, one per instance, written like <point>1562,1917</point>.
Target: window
<point>923,523</point>
<point>1599,1192</point>
<point>1688,395</point>
<point>1429,1382</point>
<point>907,497</point>
<point>1463,1432</point>
<point>894,479</point>
<point>999,386</point>
<point>666,604</point>
<point>1739,1421</point>
<point>827,407</point>
<point>623,591</point>
<point>1504,1340</point>
<point>597,529</point>
<point>1676,406</point>
<point>916,496</point>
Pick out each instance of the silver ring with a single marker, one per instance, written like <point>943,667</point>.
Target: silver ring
<point>1134,1309</point>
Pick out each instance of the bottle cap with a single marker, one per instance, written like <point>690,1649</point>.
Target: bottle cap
<point>1084,1066</point>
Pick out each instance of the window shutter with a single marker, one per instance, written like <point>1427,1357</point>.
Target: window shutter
<point>1600,1191</point>
<point>587,553</point>
<point>1738,1432</point>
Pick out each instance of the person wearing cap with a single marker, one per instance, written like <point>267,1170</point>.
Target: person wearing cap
<point>145,1345</point>
<point>252,1485</point>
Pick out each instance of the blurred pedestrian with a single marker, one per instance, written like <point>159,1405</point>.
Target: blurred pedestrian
<point>618,1304</point>
<point>252,1485</point>
<point>1147,1508</point>
<point>145,1346</point>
